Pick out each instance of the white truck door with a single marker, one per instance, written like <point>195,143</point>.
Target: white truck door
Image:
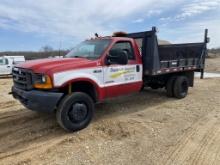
<point>123,79</point>
<point>9,65</point>
<point>5,66</point>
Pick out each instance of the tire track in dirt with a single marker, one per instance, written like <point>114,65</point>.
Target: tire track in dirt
<point>10,115</point>
<point>27,125</point>
<point>19,119</point>
<point>13,114</point>
<point>37,147</point>
<point>204,155</point>
<point>52,137</point>
<point>29,142</point>
<point>8,104</point>
<point>20,130</point>
<point>200,144</point>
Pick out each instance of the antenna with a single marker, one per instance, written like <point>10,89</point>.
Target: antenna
<point>60,45</point>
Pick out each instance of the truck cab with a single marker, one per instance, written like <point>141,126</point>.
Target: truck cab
<point>102,68</point>
<point>122,67</point>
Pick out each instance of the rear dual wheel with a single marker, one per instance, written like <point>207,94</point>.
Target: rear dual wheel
<point>170,85</point>
<point>177,87</point>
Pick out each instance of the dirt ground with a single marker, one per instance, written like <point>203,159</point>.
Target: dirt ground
<point>144,128</point>
<point>213,64</point>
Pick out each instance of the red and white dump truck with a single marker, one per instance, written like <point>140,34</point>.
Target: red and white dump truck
<point>106,67</point>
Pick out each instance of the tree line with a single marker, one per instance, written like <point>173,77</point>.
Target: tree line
<point>44,52</point>
<point>215,51</point>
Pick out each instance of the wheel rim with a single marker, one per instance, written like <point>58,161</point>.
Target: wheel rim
<point>78,112</point>
<point>184,87</point>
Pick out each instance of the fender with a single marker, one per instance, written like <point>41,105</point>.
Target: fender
<point>60,78</point>
<point>63,79</point>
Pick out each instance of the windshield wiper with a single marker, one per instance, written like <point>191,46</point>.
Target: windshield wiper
<point>87,57</point>
<point>77,57</point>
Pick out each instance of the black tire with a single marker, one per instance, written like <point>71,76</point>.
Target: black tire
<point>170,86</point>
<point>181,86</point>
<point>75,111</point>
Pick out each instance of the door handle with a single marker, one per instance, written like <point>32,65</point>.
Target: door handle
<point>97,71</point>
<point>137,68</point>
<point>8,66</point>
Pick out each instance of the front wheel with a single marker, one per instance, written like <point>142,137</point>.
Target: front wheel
<point>75,111</point>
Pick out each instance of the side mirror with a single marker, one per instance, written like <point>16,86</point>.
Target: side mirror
<point>117,56</point>
<point>207,40</point>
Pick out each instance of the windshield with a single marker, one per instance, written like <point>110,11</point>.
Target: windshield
<point>91,49</point>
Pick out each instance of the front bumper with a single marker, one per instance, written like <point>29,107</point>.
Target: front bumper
<point>41,101</point>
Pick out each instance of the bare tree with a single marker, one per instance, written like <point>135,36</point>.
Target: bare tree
<point>46,48</point>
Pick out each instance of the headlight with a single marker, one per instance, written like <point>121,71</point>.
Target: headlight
<point>42,81</point>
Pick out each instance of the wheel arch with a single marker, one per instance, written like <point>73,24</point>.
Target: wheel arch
<point>85,85</point>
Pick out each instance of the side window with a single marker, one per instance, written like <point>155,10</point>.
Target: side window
<point>6,61</point>
<point>1,61</point>
<point>126,46</point>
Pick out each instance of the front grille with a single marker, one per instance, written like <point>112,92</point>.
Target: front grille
<point>22,78</point>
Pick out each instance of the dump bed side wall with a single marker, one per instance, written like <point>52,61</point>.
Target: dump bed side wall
<point>164,59</point>
<point>181,55</point>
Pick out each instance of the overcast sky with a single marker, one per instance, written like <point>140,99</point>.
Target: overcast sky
<point>31,24</point>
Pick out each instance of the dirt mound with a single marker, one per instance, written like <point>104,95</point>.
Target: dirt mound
<point>163,42</point>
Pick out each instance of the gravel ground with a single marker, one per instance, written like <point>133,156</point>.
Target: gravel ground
<point>144,128</point>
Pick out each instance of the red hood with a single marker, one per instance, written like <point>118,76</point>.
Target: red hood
<point>57,65</point>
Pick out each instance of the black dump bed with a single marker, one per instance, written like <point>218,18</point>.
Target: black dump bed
<point>162,59</point>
